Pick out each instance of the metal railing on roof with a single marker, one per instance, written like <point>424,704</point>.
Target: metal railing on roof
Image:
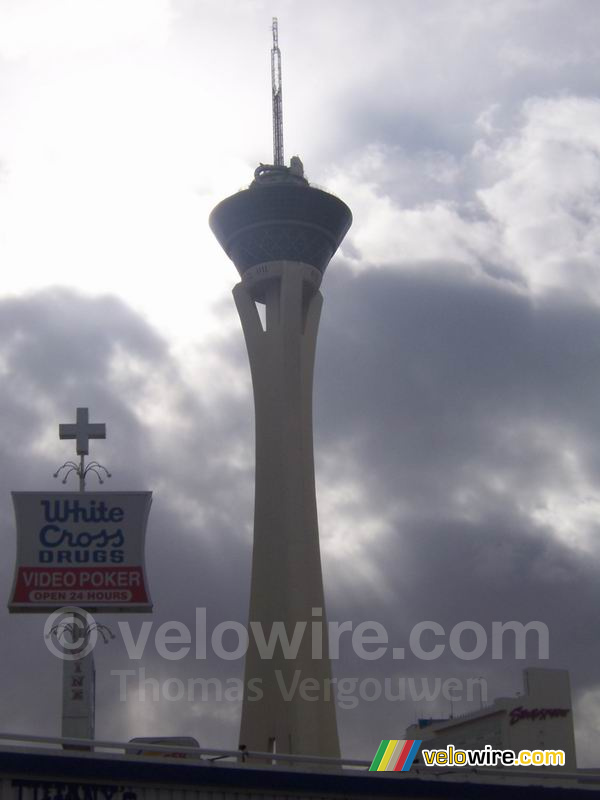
<point>98,747</point>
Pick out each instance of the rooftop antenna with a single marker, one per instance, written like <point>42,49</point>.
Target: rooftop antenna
<point>276,92</point>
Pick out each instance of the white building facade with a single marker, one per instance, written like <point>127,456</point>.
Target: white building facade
<point>539,719</point>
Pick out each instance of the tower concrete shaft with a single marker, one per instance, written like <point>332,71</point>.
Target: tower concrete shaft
<point>281,233</point>
<point>287,585</point>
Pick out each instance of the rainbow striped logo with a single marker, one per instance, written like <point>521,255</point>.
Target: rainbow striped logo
<point>395,755</point>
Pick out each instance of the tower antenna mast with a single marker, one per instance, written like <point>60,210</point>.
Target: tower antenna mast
<point>276,92</point>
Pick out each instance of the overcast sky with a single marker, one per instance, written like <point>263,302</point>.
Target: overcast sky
<point>457,386</point>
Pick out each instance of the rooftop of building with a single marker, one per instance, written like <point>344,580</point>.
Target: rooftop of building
<point>40,763</point>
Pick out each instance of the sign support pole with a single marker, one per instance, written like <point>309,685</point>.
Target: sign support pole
<point>79,676</point>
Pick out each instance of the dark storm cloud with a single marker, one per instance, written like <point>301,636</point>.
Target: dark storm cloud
<point>55,346</point>
<point>454,403</point>
<point>462,373</point>
<point>59,350</point>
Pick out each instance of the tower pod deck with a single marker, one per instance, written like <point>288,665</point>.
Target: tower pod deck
<point>282,221</point>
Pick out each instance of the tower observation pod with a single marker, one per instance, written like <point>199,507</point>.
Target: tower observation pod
<point>281,233</point>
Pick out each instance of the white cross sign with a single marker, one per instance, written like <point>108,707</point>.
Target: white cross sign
<point>83,430</point>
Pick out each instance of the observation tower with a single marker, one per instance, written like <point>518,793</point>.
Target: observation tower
<point>281,233</point>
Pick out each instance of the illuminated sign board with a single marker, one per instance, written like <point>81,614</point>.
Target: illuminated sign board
<point>84,549</point>
<point>520,713</point>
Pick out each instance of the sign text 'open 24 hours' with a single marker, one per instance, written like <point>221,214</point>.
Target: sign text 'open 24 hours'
<point>83,549</point>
